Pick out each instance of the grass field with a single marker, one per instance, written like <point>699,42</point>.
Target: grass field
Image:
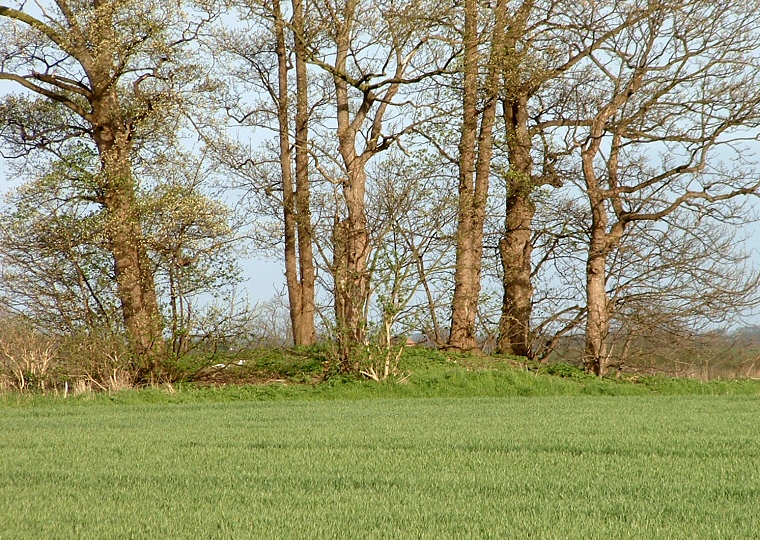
<point>538,467</point>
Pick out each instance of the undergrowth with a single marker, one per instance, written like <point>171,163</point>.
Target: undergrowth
<point>267,375</point>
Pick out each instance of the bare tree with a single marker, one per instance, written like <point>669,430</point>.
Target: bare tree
<point>672,104</point>
<point>544,42</point>
<point>674,284</point>
<point>412,209</point>
<point>374,56</point>
<point>351,106</point>
<point>274,178</point>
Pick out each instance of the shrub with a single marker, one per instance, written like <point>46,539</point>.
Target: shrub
<point>564,370</point>
<point>29,360</point>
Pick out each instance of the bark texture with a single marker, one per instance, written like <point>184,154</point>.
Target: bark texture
<point>516,245</point>
<point>112,132</point>
<point>132,266</point>
<point>351,245</point>
<point>475,152</point>
<point>299,262</point>
<point>304,330</point>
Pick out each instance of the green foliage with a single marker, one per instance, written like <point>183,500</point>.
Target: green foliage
<point>57,268</point>
<point>28,123</point>
<point>194,245</point>
<point>564,370</point>
<point>558,467</point>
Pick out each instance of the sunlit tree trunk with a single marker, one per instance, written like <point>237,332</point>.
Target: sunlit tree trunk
<point>516,245</point>
<point>351,244</point>
<point>475,153</point>
<point>299,264</point>
<point>304,331</point>
<point>597,319</point>
<point>133,269</point>
<point>469,243</point>
<point>112,134</point>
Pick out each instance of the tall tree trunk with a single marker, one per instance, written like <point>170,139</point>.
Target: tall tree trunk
<point>301,304</point>
<point>597,317</point>
<point>351,251</point>
<point>351,244</point>
<point>135,286</point>
<point>597,321</point>
<point>112,134</point>
<point>515,250</point>
<point>475,152</point>
<point>86,34</point>
<point>467,270</point>
<point>286,171</point>
<point>603,237</point>
<point>516,246</point>
<point>361,136</point>
<point>304,332</point>
<point>601,242</point>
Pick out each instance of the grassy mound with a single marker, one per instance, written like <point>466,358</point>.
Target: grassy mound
<point>268,375</point>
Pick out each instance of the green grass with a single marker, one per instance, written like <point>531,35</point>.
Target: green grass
<point>511,467</point>
<point>496,451</point>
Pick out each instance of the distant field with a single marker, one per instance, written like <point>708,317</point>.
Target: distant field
<point>540,467</point>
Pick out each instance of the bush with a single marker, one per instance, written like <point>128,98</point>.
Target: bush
<point>34,360</point>
<point>29,360</point>
<point>564,370</point>
<point>99,360</point>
